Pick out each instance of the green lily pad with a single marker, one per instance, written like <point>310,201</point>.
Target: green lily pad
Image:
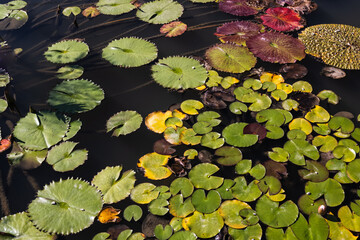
<point>163,233</point>
<point>71,10</point>
<point>3,105</point>
<point>353,170</point>
<point>279,155</point>
<point>206,204</point>
<point>238,108</point>
<point>182,185</point>
<point>342,124</point>
<point>309,206</point>
<point>189,137</point>
<point>204,225</point>
<point>296,134</point>
<point>337,229</point>
<point>114,188</point>
<point>176,224</point>
<point>298,149</point>
<point>65,207</point>
<point>154,166</point>
<point>234,135</point>
<point>4,76</point>
<point>200,176</point>
<point>250,232</point>
<point>322,129</point>
<point>331,190</point>
<point>180,208</point>
<point>124,122</point>
<point>101,236</point>
<point>271,117</point>
<point>225,189</point>
<point>75,96</point>
<point>158,206</point>
<point>144,193</point>
<point>344,153</point>
<point>301,124</point>
<point>183,235</point>
<point>202,127</point>
<point>40,131</point>
<point>329,95</point>
<point>270,184</point>
<point>179,73</point>
<point>315,171</point>
<point>212,140</point>
<point>279,94</point>
<point>214,79</point>
<point>114,7</point>
<point>160,11</point>
<point>230,57</point>
<point>191,153</point>
<point>230,211</point>
<point>130,52</point>
<point>63,158</point>
<point>66,51</point>
<point>173,135</point>
<point>210,117</point>
<point>327,143</point>
<point>132,212</point>
<point>26,159</point>
<point>318,115</point>
<point>278,234</point>
<point>4,11</point>
<point>273,215</point>
<point>269,86</point>
<point>290,104</point>
<point>74,128</point>
<point>244,192</point>
<point>243,167</point>
<point>18,226</point>
<point>317,228</point>
<point>255,84</point>
<point>349,219</point>
<point>258,171</point>
<point>228,156</point>
<point>16,5</point>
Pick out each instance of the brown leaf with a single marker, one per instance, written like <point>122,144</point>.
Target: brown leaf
<point>91,11</point>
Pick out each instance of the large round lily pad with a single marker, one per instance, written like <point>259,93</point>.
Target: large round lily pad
<point>66,51</point>
<point>65,207</point>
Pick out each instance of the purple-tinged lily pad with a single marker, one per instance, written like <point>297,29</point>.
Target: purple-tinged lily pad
<point>240,7</point>
<point>238,31</point>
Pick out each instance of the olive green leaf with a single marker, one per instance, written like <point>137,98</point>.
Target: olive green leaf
<point>124,122</point>
<point>3,105</point>
<point>16,5</point>
<point>65,207</point>
<point>200,176</point>
<point>238,108</point>
<point>228,156</point>
<point>331,190</point>
<point>290,104</point>
<point>180,208</point>
<point>318,114</point>
<point>349,219</point>
<point>315,171</point>
<point>279,155</point>
<point>183,235</point>
<point>225,189</point>
<point>212,140</point>
<point>163,233</point>
<point>327,143</point>
<point>74,128</point>
<point>114,188</point>
<point>182,185</point>
<point>298,149</point>
<point>132,212</point>
<point>158,206</point>
<point>66,51</point>
<point>160,11</point>
<point>204,225</point>
<point>337,229</point>
<point>70,72</point>
<point>250,232</point>
<point>206,203</point>
<point>342,124</point>
<point>144,193</point>
<point>130,52</point>
<point>329,95</point>
<point>270,184</point>
<point>317,228</point>
<point>4,76</point>
<point>278,234</point>
<point>101,236</point>
<point>309,206</point>
<point>258,171</point>
<point>243,167</point>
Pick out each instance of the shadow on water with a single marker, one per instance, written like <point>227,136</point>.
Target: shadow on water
<point>128,89</point>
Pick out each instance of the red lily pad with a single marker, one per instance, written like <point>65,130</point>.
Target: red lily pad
<point>276,47</point>
<point>173,29</point>
<point>237,32</point>
<point>282,19</point>
<point>240,7</point>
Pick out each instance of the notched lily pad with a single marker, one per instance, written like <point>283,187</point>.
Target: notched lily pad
<point>200,176</point>
<point>234,135</point>
<point>154,166</point>
<point>124,122</point>
<point>204,225</point>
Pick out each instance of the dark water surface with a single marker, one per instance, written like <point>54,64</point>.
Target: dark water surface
<point>34,78</point>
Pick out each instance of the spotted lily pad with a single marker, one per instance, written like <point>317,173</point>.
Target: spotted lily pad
<point>282,19</point>
<point>204,225</point>
<point>63,157</point>
<point>114,7</point>
<point>331,190</point>
<point>65,207</point>
<point>114,188</point>
<point>75,96</point>
<point>160,11</point>
<point>124,122</point>
<point>66,51</point>
<point>154,166</point>
<point>179,73</point>
<point>276,47</point>
<point>130,52</point>
<point>200,176</point>
<point>229,57</point>
<point>234,135</point>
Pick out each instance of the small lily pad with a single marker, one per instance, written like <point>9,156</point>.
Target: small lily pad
<point>318,115</point>
<point>245,192</point>
<point>182,185</point>
<point>75,10</point>
<point>234,135</point>
<point>228,156</point>
<point>329,95</point>
<point>70,72</point>
<point>163,233</point>
<point>349,219</point>
<point>154,166</point>
<point>315,172</point>
<point>144,193</point>
<point>160,11</point>
<point>206,203</point>
<point>132,212</point>
<point>124,122</point>
<point>114,7</point>
<point>331,190</point>
<point>173,29</point>
<point>225,189</point>
<point>155,121</point>
<point>230,211</point>
<point>342,124</point>
<point>158,206</point>
<point>250,232</point>
<point>204,225</point>
<point>302,124</point>
<point>212,140</point>
<point>309,206</point>
<point>180,208</point>
<point>200,176</point>
<point>298,149</point>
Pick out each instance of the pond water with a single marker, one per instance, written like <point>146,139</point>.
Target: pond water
<point>129,89</point>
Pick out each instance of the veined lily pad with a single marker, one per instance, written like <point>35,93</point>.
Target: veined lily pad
<point>75,96</point>
<point>182,185</point>
<point>66,51</point>
<point>65,207</point>
<point>179,73</point>
<point>282,19</point>
<point>144,193</point>
<point>240,7</point>
<point>230,211</point>
<point>124,122</point>
<point>204,225</point>
<point>206,203</point>
<point>19,226</point>
<point>234,135</point>
<point>273,215</point>
<point>160,11</point>
<point>114,188</point>
<point>41,131</point>
<point>130,52</point>
<point>276,47</point>
<point>200,176</point>
<point>154,166</point>
<point>331,190</point>
<point>63,158</point>
<point>317,228</point>
<point>173,29</point>
<point>70,72</point>
<point>229,57</point>
<point>115,7</point>
<point>180,208</point>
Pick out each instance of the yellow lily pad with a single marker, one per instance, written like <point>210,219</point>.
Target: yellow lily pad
<point>318,114</point>
<point>154,166</point>
<point>155,121</point>
<point>302,124</point>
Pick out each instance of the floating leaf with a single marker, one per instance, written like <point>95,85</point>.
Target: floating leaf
<point>75,96</point>
<point>19,226</point>
<point>182,185</point>
<point>144,193</point>
<point>173,29</point>
<point>163,233</point>
<point>71,10</point>
<point>282,19</point>
<point>231,58</point>
<point>180,208</point>
<point>279,155</point>
<point>276,47</point>
<point>114,7</point>
<point>132,212</point>
<point>90,12</point>
<point>337,230</point>
<point>229,156</point>
<point>4,11</point>
<point>75,127</point>
<point>191,107</point>
<point>182,235</point>
<point>3,105</point>
<point>206,203</point>
<point>333,72</point>
<point>15,20</point>
<point>327,143</point>
<point>65,207</point>
<point>301,124</point>
<point>329,95</point>
<point>212,140</point>
<point>155,121</point>
<point>158,206</point>
<point>237,32</point>
<point>331,190</point>
<point>299,148</point>
<point>243,167</point>
<point>179,73</point>
<point>240,7</point>
<point>101,236</point>
<point>130,52</point>
<point>258,171</point>
<point>349,219</point>
<point>124,122</point>
<point>63,158</point>
<point>16,4</point>
<point>278,233</point>
<point>114,188</point>
<point>70,72</point>
<point>315,172</point>
<point>4,77</point>
<point>109,214</point>
<point>40,131</point>
<point>244,192</point>
<point>225,189</point>
<point>160,11</point>
<point>342,124</point>
<point>318,114</point>
<point>317,228</point>
<point>326,41</point>
<point>230,211</point>
<point>309,206</point>
<point>234,135</point>
<point>270,184</point>
<point>273,215</point>
<point>200,176</point>
<point>154,166</point>
<point>250,232</point>
<point>204,225</point>
<point>66,51</point>
<point>238,108</point>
